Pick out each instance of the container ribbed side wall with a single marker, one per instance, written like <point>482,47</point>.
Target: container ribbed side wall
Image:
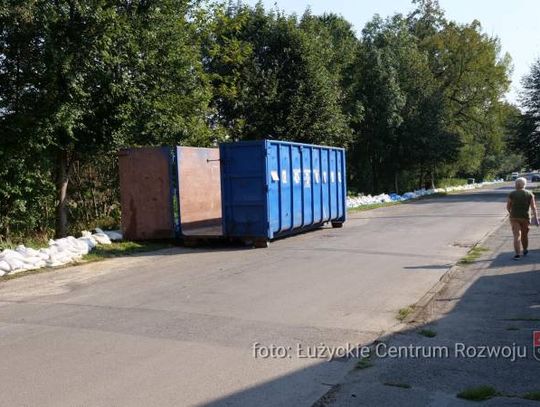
<point>273,188</point>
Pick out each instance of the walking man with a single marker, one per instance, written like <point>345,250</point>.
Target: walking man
<point>520,201</point>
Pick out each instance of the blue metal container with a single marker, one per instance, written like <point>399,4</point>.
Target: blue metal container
<point>273,188</point>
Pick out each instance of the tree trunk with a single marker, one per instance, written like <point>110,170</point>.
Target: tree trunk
<point>433,179</point>
<point>396,182</point>
<point>62,178</point>
<point>374,177</point>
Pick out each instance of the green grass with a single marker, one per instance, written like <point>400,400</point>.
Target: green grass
<point>373,206</point>
<point>473,255</point>
<point>482,393</point>
<point>428,333</point>
<point>400,385</point>
<point>126,248</point>
<point>534,395</point>
<point>451,182</point>
<point>35,242</point>
<point>403,313</point>
<point>385,204</point>
<point>363,363</point>
<point>478,393</point>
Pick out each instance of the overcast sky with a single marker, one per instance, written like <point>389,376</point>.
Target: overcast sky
<point>515,22</point>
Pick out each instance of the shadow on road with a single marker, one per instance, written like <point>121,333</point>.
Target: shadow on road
<point>500,308</point>
<point>429,267</point>
<point>506,260</point>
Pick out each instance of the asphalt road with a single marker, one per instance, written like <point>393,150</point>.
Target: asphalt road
<point>493,303</point>
<point>177,327</point>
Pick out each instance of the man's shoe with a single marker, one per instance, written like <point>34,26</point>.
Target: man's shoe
<point>516,257</point>
<point>525,252</point>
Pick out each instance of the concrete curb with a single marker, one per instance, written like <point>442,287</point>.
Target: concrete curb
<point>420,308</point>
<point>421,305</point>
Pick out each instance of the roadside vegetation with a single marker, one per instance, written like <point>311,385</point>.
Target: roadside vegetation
<point>483,393</point>
<point>479,393</point>
<point>363,363</point>
<point>428,333</point>
<point>451,182</point>
<point>403,313</point>
<point>474,254</point>
<point>117,249</point>
<point>416,99</point>
<point>362,208</point>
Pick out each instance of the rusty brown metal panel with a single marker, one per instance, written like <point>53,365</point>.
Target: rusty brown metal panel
<point>145,193</point>
<point>199,190</point>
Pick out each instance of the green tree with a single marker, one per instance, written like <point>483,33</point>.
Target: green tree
<point>403,130</point>
<point>379,92</point>
<point>472,77</point>
<point>337,50</point>
<point>529,126</point>
<point>270,79</point>
<point>83,77</point>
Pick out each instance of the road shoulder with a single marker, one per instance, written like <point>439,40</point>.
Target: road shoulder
<point>492,303</point>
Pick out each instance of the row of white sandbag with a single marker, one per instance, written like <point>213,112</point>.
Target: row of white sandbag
<point>60,252</point>
<point>360,200</point>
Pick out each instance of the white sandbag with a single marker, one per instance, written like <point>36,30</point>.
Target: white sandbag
<point>67,255</point>
<point>4,267</point>
<point>114,235</point>
<point>30,257</point>
<point>15,264</point>
<point>90,242</point>
<point>54,262</point>
<point>26,251</point>
<point>75,247</point>
<point>59,259</point>
<point>81,246</point>
<point>32,261</point>
<point>30,266</point>
<point>69,246</point>
<point>12,254</point>
<point>63,251</point>
<point>46,252</point>
<point>101,238</point>
<point>60,252</point>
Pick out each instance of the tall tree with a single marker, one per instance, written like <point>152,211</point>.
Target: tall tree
<point>403,128</point>
<point>86,76</point>
<point>472,77</point>
<point>529,128</point>
<point>382,98</point>
<point>271,80</point>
